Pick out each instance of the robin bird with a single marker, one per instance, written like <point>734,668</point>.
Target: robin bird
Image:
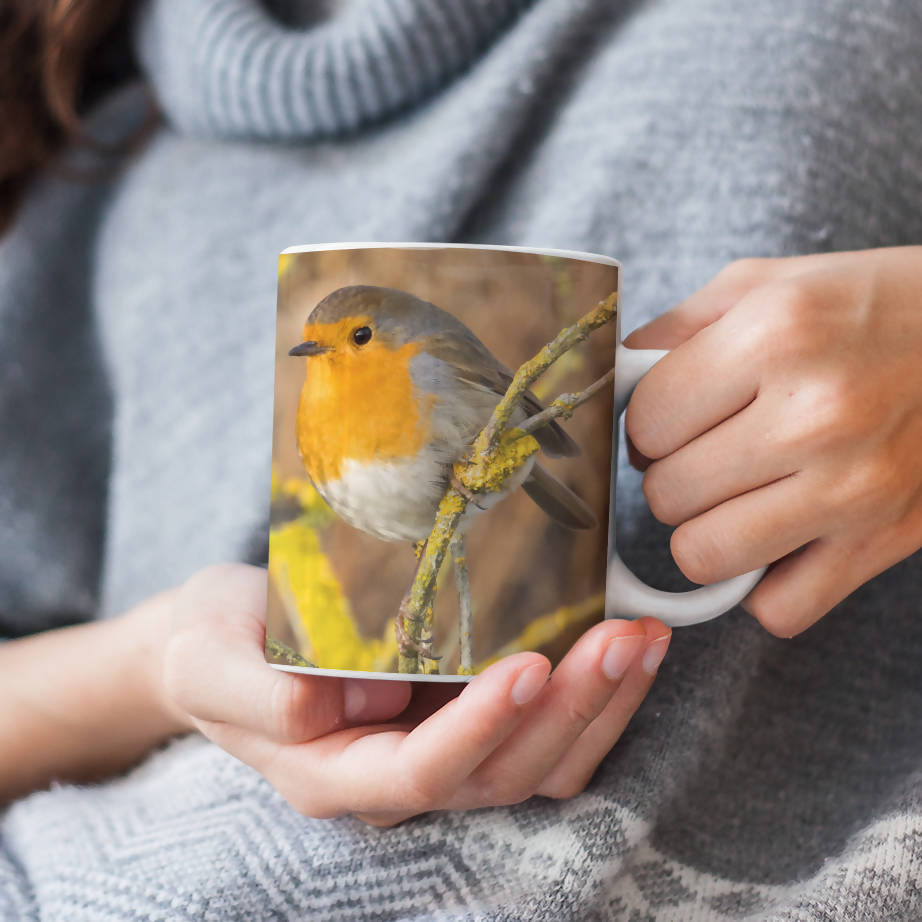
<point>395,392</point>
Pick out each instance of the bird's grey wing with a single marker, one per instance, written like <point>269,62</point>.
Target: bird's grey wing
<point>474,364</point>
<point>558,500</point>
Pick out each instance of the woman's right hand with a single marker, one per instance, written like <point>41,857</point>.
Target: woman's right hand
<point>387,750</point>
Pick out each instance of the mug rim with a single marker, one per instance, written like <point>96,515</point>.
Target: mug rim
<point>363,674</point>
<point>411,245</point>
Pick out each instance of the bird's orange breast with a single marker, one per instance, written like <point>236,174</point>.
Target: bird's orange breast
<point>359,404</point>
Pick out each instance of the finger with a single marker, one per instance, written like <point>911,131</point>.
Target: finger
<point>726,461</point>
<point>384,819</point>
<point>699,310</point>
<point>720,294</point>
<point>580,688</point>
<point>637,460</point>
<point>750,531</point>
<point>399,768</point>
<point>427,698</point>
<point>699,384</point>
<point>574,770</point>
<point>707,304</point>
<point>215,668</point>
<point>802,587</point>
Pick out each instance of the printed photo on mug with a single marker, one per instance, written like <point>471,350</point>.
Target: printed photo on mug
<point>425,520</point>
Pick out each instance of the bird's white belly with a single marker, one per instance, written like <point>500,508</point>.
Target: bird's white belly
<point>392,500</point>
<point>398,500</point>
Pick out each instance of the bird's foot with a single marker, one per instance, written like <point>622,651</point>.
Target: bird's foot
<point>405,643</point>
<point>419,547</point>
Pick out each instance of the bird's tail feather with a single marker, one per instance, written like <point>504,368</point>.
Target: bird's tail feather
<point>558,500</point>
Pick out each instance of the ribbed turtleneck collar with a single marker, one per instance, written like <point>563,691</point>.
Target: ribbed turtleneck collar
<point>228,68</point>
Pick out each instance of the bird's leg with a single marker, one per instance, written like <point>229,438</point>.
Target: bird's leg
<point>403,613</point>
<point>466,621</point>
<point>405,642</point>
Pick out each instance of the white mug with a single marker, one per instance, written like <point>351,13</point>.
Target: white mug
<point>393,363</point>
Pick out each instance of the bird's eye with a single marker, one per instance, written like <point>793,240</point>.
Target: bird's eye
<point>361,335</point>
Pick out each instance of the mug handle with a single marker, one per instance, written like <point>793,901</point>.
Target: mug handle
<point>626,596</point>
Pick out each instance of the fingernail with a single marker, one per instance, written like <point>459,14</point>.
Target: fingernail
<point>529,683</point>
<point>620,653</point>
<point>655,653</point>
<point>354,700</point>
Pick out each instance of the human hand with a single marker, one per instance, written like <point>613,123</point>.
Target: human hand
<point>388,750</point>
<point>785,426</point>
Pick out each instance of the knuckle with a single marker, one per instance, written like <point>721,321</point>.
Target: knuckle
<point>771,617</point>
<point>872,484</point>
<point>741,273</point>
<point>823,413</point>
<point>793,318</point>
<point>776,616</point>
<point>696,555</point>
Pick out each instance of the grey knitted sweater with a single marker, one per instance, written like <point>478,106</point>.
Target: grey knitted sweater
<point>761,779</point>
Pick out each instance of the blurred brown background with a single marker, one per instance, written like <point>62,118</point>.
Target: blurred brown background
<point>521,564</point>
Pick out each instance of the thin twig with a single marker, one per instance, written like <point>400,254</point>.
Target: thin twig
<point>528,371</point>
<point>466,620</point>
<point>564,405</point>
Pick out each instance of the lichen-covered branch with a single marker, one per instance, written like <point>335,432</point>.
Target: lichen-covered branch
<point>278,652</point>
<point>528,371</point>
<point>564,405</point>
<point>497,453</point>
<point>417,610</point>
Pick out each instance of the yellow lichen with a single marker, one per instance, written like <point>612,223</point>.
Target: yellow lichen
<point>298,565</point>
<point>547,628</point>
<point>488,471</point>
<point>312,504</point>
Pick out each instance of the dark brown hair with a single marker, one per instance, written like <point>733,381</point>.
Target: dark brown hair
<point>52,61</point>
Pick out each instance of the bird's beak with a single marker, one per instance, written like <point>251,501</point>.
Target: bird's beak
<point>311,347</point>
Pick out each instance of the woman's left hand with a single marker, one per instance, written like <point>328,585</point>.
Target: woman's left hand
<point>387,750</point>
<point>785,426</point>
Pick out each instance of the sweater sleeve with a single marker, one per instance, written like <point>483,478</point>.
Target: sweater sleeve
<point>55,404</point>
